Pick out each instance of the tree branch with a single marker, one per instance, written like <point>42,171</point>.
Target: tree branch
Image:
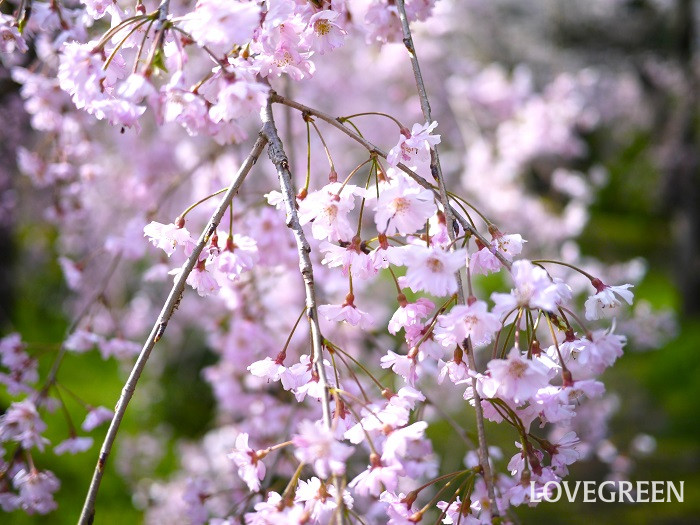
<point>436,170</point>
<point>336,123</point>
<point>276,153</point>
<point>278,157</point>
<point>87,515</point>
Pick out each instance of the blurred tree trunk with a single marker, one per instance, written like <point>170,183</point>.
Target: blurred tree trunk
<point>681,164</point>
<point>13,127</point>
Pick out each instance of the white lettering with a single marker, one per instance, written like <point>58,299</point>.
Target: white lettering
<point>569,495</point>
<point>657,491</point>
<point>626,488</point>
<point>533,493</point>
<point>670,486</point>
<point>546,491</point>
<point>589,492</point>
<point>601,492</point>
<point>642,491</point>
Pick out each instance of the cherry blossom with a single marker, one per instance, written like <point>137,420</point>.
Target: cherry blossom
<point>515,378</point>
<point>96,417</point>
<point>73,445</point>
<point>239,255</point>
<point>320,499</point>
<point>606,301</point>
<point>21,423</point>
<point>328,208</point>
<point>414,146</point>
<point>402,207</point>
<point>36,490</point>
<point>10,38</point>
<point>184,79</point>
<point>167,236</point>
<point>533,289</point>
<point>323,33</point>
<point>409,314</point>
<point>376,479</point>
<point>432,270</point>
<point>347,312</point>
<point>316,445</point>
<point>473,321</point>
<point>250,467</point>
<point>220,24</point>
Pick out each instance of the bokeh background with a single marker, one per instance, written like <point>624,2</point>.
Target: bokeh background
<point>648,208</point>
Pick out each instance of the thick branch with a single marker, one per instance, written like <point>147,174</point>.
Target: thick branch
<point>87,515</point>
<point>336,123</point>
<point>436,170</point>
<point>276,152</point>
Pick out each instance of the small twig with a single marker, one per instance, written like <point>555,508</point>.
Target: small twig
<point>87,515</point>
<point>436,170</point>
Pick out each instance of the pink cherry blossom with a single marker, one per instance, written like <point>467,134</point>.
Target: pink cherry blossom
<point>251,469</point>
<point>240,255</point>
<point>316,445</point>
<point>271,511</point>
<point>566,452</point>
<point>220,24</point>
<point>280,54</point>
<point>82,340</point>
<point>473,320</point>
<point>21,423</point>
<point>72,272</point>
<point>410,314</point>
<point>36,490</point>
<point>202,280</point>
<point>73,445</point>
<point>375,479</point>
<point>403,365</point>
<point>97,8</point>
<point>323,33</point>
<point>233,97</point>
<point>351,259</point>
<point>95,417</point>
<point>601,350</point>
<point>10,38</point>
<point>606,302</point>
<point>320,499</point>
<point>196,493</point>
<point>347,312</point>
<point>329,210</point>
<point>398,511</point>
<point>484,261</point>
<point>414,147</point>
<point>533,289</point>
<point>402,207</point>
<point>167,236</point>
<point>515,378</point>
<point>119,348</point>
<point>433,269</point>
<point>454,513</point>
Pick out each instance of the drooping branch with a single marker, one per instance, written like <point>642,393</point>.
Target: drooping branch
<point>436,170</point>
<point>87,515</point>
<point>279,159</point>
<point>372,148</point>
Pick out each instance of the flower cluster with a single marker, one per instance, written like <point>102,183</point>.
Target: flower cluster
<point>335,375</point>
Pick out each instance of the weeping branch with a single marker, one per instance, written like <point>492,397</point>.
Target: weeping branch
<point>87,516</point>
<point>436,170</point>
